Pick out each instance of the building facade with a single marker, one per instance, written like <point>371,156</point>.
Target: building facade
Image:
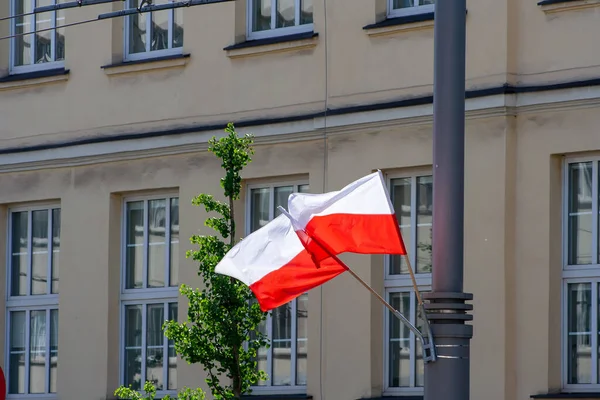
<point>103,138</point>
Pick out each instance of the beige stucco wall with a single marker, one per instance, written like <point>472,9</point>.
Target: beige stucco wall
<point>508,41</point>
<point>352,327</point>
<point>513,173</point>
<point>549,137</point>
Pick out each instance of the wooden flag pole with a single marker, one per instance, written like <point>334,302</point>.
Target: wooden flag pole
<point>397,313</point>
<point>421,306</point>
<point>414,280</point>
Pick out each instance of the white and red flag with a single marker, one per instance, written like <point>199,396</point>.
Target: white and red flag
<point>275,264</point>
<point>292,254</point>
<point>360,218</point>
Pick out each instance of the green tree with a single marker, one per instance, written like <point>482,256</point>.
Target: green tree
<point>223,315</point>
<point>149,393</point>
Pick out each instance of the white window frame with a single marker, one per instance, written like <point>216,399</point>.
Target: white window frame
<point>276,32</point>
<point>270,389</point>
<point>402,12</point>
<point>29,302</point>
<point>572,274</point>
<point>146,296</point>
<point>149,54</point>
<point>403,284</point>
<point>21,69</point>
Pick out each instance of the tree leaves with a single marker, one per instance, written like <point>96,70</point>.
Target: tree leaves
<point>222,315</point>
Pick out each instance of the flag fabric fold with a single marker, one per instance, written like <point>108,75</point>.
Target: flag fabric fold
<point>275,264</point>
<point>360,218</point>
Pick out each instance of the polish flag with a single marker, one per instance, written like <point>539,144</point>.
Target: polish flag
<point>293,253</point>
<point>274,262</point>
<point>359,218</point>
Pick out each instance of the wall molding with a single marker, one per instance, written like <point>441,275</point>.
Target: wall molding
<point>554,6</point>
<point>33,81</point>
<point>480,104</point>
<point>150,64</point>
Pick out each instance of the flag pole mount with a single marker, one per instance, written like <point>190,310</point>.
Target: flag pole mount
<point>425,337</point>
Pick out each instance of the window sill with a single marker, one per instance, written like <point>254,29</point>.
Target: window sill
<point>395,25</point>
<point>277,397</point>
<point>279,44</point>
<point>552,6</point>
<point>578,395</point>
<point>23,80</point>
<point>127,67</point>
<point>394,397</point>
<point>38,396</point>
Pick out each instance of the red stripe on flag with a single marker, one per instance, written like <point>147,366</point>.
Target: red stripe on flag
<point>293,279</point>
<point>358,233</point>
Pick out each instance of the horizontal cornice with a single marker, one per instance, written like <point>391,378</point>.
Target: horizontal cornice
<point>505,100</point>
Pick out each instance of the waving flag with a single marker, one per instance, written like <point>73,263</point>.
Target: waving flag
<point>276,266</point>
<point>292,254</point>
<point>359,218</point>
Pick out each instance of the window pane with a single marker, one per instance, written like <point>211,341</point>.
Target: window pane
<point>399,342</point>
<point>424,220</point>
<point>403,3</point>
<point>172,373</point>
<point>16,379</point>
<point>419,364</point>
<point>281,198</point>
<point>302,339</point>
<point>282,345</point>
<point>43,40</point>
<point>261,359</point>
<point>155,345</point>
<point>306,12</point>
<point>259,208</point>
<point>22,49</point>
<point>137,30</point>
<point>157,214</point>
<point>286,13</point>
<point>133,346</point>
<point>580,213</point>
<point>55,248</point>
<point>37,352</point>
<point>160,28</point>
<point>174,268</point>
<point>401,195</point>
<point>53,349</point>
<point>39,250</point>
<point>261,15</point>
<point>177,28</point>
<point>19,255</point>
<point>303,189</point>
<point>135,244</point>
<point>60,36</point>
<point>579,333</point>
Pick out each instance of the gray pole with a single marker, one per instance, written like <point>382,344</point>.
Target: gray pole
<point>448,377</point>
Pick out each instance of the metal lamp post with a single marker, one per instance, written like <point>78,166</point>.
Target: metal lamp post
<point>448,377</point>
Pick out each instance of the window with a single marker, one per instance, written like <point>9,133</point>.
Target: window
<point>267,18</point>
<point>149,294</point>
<point>581,276</point>
<point>412,197</point>
<point>153,34</point>
<point>285,362</point>
<point>43,50</point>
<point>32,304</point>
<point>397,8</point>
